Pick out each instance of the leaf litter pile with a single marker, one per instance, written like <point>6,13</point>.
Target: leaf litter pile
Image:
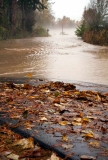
<point>77,120</point>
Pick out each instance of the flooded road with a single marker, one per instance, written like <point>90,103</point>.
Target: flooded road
<point>59,57</point>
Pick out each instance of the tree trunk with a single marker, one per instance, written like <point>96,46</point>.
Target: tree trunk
<point>23,17</point>
<point>12,4</point>
<point>1,8</point>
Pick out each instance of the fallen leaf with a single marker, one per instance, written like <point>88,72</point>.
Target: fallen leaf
<point>76,123</point>
<point>81,114</point>
<point>56,100</point>
<point>65,138</point>
<point>67,146</point>
<point>54,157</point>
<point>86,119</point>
<point>29,75</point>
<point>25,143</point>
<point>98,98</point>
<point>88,135</point>
<point>95,144</point>
<point>97,136</point>
<point>63,123</point>
<point>86,157</point>
<point>13,156</point>
<point>43,119</point>
<point>60,107</point>
<point>77,119</point>
<point>91,117</point>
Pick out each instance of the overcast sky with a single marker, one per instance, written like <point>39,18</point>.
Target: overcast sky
<point>70,8</point>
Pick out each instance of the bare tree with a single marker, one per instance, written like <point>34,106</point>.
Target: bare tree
<point>96,14</point>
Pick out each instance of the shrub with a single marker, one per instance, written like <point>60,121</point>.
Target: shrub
<point>3,32</point>
<point>99,37</point>
<point>40,31</point>
<point>80,29</point>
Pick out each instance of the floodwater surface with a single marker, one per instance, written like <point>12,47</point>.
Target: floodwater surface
<point>58,57</point>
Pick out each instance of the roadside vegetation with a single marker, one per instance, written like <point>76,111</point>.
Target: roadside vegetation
<point>24,18</point>
<point>94,25</point>
<point>18,18</point>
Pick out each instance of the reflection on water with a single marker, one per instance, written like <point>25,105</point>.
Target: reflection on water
<point>63,57</point>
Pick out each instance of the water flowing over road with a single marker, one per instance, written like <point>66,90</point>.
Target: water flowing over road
<point>58,57</point>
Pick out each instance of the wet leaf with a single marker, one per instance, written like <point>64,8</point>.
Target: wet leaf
<point>54,157</point>
<point>65,138</point>
<point>98,98</point>
<point>86,119</point>
<point>104,129</point>
<point>77,119</point>
<point>81,114</point>
<point>45,90</point>
<point>60,107</point>
<point>97,136</point>
<point>29,75</point>
<point>91,117</point>
<point>94,144</point>
<point>63,123</point>
<point>43,119</point>
<point>25,143</point>
<point>86,157</point>
<point>66,93</point>
<point>56,100</point>
<point>67,146</point>
<point>13,156</point>
<point>88,135</point>
<point>76,123</point>
<point>87,131</point>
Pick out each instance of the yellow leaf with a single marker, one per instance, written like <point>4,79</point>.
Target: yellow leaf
<point>76,93</point>
<point>32,97</point>
<point>98,98</point>
<point>65,138</point>
<point>66,93</point>
<point>76,123</point>
<point>77,119</point>
<point>88,135</point>
<point>29,75</point>
<point>45,90</point>
<point>95,144</point>
<point>63,123</point>
<point>85,119</point>
<point>87,131</point>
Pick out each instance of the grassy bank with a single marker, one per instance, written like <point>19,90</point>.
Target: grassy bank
<point>37,32</point>
<point>97,36</point>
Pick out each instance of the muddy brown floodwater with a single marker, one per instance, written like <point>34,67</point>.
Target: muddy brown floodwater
<point>59,57</point>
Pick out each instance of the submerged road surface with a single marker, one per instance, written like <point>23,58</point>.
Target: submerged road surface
<point>59,57</point>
